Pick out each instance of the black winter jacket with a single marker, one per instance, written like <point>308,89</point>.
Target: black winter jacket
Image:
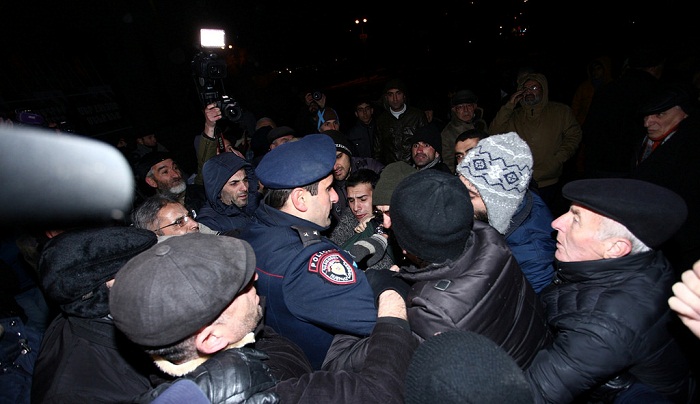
<point>483,291</point>
<point>609,317</point>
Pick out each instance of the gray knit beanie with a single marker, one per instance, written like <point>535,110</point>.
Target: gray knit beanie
<point>500,167</point>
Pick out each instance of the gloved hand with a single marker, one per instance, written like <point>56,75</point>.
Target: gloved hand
<point>370,248</point>
<point>236,375</point>
<point>384,279</point>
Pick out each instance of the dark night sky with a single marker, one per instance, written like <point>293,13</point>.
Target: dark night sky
<point>141,50</point>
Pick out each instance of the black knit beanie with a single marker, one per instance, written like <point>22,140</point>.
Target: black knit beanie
<point>432,215</point>
<point>458,367</point>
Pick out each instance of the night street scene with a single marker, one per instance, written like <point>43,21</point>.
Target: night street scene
<point>108,67</point>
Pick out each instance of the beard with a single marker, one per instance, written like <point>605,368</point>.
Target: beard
<point>178,189</point>
<point>481,216</point>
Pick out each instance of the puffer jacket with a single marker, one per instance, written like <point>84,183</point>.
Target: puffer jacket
<point>483,291</point>
<point>610,317</point>
<point>549,128</point>
<point>215,214</point>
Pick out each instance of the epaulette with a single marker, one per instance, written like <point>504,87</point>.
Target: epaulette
<point>308,235</point>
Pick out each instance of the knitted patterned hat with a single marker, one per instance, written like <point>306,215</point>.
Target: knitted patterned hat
<point>500,167</point>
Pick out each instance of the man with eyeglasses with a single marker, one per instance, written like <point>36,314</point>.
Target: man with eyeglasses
<point>165,216</point>
<point>550,130</point>
<point>232,193</point>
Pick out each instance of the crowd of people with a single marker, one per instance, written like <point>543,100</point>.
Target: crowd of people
<point>398,260</point>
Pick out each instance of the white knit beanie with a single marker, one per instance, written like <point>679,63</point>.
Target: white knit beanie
<point>500,167</point>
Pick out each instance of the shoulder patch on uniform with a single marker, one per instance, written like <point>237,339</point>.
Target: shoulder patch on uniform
<point>331,265</point>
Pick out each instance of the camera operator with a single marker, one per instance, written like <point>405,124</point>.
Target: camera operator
<point>207,146</point>
<point>307,120</point>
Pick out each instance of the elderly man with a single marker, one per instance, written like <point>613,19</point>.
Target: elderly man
<point>158,171</point>
<point>608,303</point>
<point>232,193</point>
<point>463,104</point>
<point>497,173</point>
<point>668,157</point>
<point>313,288</point>
<point>191,303</point>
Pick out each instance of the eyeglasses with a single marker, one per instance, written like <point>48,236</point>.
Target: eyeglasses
<point>531,88</point>
<point>180,221</point>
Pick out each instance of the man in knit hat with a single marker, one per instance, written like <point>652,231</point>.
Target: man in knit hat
<point>456,367</point>
<point>313,288</point>
<point>497,173</point>
<point>426,148</point>
<point>463,274</point>
<point>346,163</point>
<point>397,124</point>
<point>608,306</point>
<point>328,120</point>
<point>82,357</point>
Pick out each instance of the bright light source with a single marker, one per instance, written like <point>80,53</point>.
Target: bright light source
<point>212,38</point>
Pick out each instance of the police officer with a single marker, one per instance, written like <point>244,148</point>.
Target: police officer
<point>313,288</point>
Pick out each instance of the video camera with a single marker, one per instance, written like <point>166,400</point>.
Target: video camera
<point>209,70</point>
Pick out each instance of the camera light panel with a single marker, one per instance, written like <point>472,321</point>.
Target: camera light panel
<point>212,38</point>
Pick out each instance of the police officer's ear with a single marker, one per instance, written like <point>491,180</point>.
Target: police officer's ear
<point>298,198</point>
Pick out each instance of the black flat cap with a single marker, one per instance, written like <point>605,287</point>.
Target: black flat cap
<point>666,98</point>
<point>651,212</point>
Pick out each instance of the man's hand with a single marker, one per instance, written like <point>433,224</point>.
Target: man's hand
<point>686,299</point>
<point>211,115</point>
<point>391,304</point>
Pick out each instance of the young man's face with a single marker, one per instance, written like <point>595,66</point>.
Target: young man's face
<point>463,146</point>
<point>364,112</point>
<point>360,200</point>
<point>235,191</point>
<point>395,98</point>
<point>480,212</point>
<point>423,154</point>
<point>341,169</point>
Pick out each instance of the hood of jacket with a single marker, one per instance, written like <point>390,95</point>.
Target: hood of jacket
<point>534,112</point>
<point>216,173</point>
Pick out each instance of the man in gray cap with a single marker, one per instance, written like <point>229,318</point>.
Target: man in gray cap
<point>191,303</point>
<point>313,288</point>
<point>607,305</point>
<point>463,108</point>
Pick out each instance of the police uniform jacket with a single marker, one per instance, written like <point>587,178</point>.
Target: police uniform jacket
<point>482,291</point>
<point>313,288</point>
<point>609,317</point>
